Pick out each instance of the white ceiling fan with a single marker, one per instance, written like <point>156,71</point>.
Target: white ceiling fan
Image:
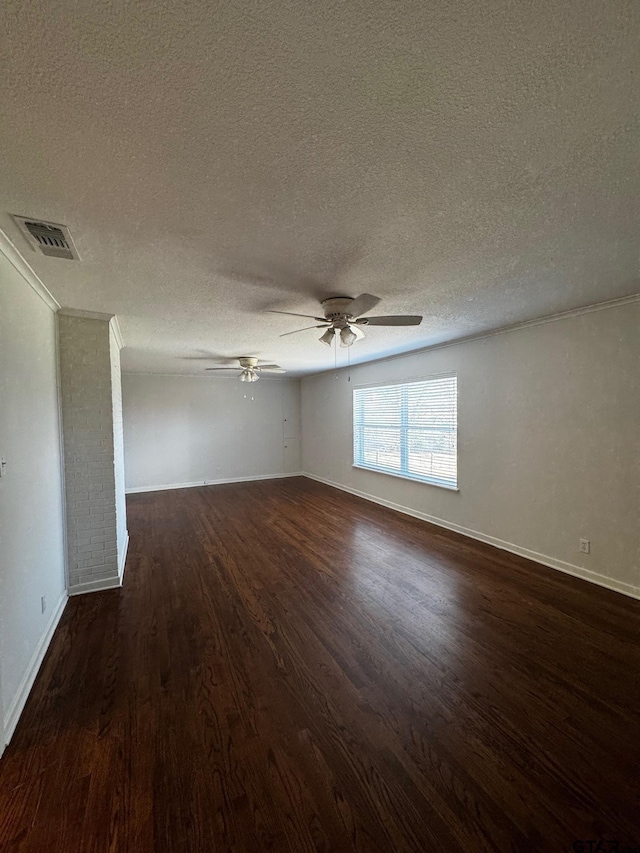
<point>342,316</point>
<point>250,369</point>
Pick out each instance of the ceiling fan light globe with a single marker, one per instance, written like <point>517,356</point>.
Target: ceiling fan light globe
<point>327,337</point>
<point>347,337</point>
<point>249,375</point>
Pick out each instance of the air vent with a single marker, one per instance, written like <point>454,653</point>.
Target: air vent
<point>47,237</point>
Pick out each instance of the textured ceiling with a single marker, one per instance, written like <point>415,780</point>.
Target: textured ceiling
<point>473,161</point>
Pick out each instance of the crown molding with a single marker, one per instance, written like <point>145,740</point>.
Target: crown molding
<point>562,315</point>
<point>86,315</point>
<point>21,266</point>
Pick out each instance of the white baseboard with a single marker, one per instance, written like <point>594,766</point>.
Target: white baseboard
<point>543,559</point>
<point>22,694</point>
<point>251,479</point>
<point>122,562</point>
<point>95,586</point>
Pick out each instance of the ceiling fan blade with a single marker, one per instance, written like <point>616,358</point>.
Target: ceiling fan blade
<point>363,303</point>
<point>270,369</point>
<point>295,332</point>
<point>223,368</point>
<point>357,331</point>
<point>391,320</point>
<point>290,314</point>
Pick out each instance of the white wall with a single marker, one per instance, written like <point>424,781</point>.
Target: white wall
<point>31,506</point>
<point>185,430</point>
<point>549,441</point>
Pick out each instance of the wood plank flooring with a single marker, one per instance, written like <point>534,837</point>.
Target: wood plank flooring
<point>290,668</point>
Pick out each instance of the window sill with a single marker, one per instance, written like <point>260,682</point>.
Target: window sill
<point>408,479</point>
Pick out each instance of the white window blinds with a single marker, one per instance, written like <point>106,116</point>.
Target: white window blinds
<point>409,430</point>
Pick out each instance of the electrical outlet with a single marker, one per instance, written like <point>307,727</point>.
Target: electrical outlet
<point>43,603</point>
<point>585,546</point>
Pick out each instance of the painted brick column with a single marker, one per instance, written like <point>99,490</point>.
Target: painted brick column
<point>91,407</point>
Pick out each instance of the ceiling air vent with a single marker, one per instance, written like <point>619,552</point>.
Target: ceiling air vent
<point>47,237</point>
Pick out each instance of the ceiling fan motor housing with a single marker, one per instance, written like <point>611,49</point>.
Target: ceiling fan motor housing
<point>337,310</point>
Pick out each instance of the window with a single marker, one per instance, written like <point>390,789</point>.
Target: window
<point>408,429</point>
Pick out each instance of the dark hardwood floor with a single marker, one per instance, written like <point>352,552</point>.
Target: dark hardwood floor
<point>290,668</point>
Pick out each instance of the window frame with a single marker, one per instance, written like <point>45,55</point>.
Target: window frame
<point>404,428</point>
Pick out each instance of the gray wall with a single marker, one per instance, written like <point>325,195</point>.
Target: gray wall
<point>187,430</point>
<point>549,441</point>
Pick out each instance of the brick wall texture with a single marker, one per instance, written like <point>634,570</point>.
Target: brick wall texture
<point>86,347</point>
